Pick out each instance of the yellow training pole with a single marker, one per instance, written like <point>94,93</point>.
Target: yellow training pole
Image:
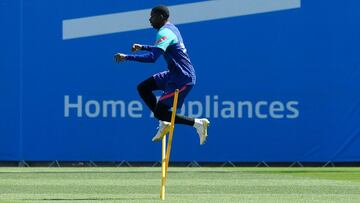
<point>163,173</point>
<point>165,162</point>
<point>171,132</point>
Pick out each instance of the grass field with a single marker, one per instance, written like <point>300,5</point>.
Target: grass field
<point>184,185</point>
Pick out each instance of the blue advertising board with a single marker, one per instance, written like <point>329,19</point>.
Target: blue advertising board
<point>279,80</point>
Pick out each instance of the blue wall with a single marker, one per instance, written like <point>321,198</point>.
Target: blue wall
<point>297,73</point>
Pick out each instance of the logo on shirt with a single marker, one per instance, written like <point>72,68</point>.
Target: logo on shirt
<point>161,40</point>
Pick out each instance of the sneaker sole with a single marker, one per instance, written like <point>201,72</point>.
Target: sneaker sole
<point>206,125</point>
<point>166,130</point>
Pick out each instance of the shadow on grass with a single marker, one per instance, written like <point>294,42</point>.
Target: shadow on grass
<point>300,171</point>
<point>262,171</point>
<point>87,199</point>
<point>111,172</point>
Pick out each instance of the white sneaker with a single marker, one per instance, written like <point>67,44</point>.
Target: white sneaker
<point>163,128</point>
<point>201,126</point>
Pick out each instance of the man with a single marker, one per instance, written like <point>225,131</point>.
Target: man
<point>181,74</point>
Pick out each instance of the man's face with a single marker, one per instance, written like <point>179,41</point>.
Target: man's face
<point>156,20</point>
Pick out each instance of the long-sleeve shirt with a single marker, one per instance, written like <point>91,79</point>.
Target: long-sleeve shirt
<point>169,43</point>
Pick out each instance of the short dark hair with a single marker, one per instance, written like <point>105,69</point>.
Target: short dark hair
<point>162,10</point>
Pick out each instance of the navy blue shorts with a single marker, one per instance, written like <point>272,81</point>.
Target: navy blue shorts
<point>168,87</point>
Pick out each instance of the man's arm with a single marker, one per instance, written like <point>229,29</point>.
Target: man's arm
<point>147,47</point>
<point>150,57</point>
<point>137,47</point>
<point>164,39</point>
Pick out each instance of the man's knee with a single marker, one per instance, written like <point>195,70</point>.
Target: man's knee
<point>147,86</point>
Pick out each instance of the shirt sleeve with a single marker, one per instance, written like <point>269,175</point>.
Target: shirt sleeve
<point>150,57</point>
<point>147,47</point>
<point>164,38</point>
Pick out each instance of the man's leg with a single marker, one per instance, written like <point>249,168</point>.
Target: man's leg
<point>163,113</point>
<point>145,90</point>
<point>161,109</point>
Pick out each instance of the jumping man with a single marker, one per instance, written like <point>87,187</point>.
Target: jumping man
<point>181,74</point>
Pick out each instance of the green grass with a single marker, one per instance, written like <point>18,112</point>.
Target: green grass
<point>184,185</point>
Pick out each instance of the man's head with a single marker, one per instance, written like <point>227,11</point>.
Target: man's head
<point>159,16</point>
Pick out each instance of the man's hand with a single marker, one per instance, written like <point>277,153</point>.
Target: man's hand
<point>119,57</point>
<point>136,47</point>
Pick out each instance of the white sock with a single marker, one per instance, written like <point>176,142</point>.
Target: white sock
<point>165,123</point>
<point>197,123</point>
